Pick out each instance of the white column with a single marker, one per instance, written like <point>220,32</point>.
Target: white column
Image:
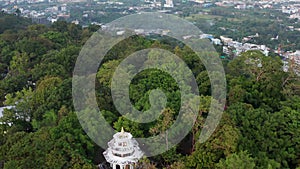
<point>114,166</point>
<point>121,166</point>
<point>131,166</point>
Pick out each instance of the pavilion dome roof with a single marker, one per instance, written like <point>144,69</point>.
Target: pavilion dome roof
<point>123,149</point>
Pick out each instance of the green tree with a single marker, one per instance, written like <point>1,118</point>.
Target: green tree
<point>239,160</point>
<point>163,123</point>
<point>263,134</point>
<point>259,76</point>
<point>223,142</point>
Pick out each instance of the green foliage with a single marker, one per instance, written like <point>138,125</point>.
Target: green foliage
<point>264,136</point>
<point>239,160</point>
<point>134,128</point>
<point>260,128</point>
<point>258,78</point>
<point>62,146</point>
<point>223,142</point>
<point>10,22</point>
<point>56,37</point>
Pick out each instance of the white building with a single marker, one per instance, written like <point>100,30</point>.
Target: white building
<point>63,8</point>
<point>123,151</point>
<point>169,4</point>
<point>216,41</point>
<point>241,6</point>
<point>76,22</point>
<point>226,40</point>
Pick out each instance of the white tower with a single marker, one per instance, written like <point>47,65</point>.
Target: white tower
<point>123,151</point>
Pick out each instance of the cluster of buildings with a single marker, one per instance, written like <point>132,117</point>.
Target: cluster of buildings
<point>56,12</point>
<point>234,48</point>
<point>293,10</point>
<point>294,56</point>
<point>158,3</point>
<point>48,15</point>
<point>60,9</point>
<point>143,32</point>
<point>230,47</point>
<point>247,4</point>
<point>287,6</point>
<point>292,60</point>
<point>16,2</point>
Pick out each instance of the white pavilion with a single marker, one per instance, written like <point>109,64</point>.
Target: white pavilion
<point>123,151</point>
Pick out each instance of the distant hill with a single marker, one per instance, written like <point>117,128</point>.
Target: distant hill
<point>12,22</point>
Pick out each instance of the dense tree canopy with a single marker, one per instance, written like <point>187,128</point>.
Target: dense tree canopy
<point>259,129</point>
